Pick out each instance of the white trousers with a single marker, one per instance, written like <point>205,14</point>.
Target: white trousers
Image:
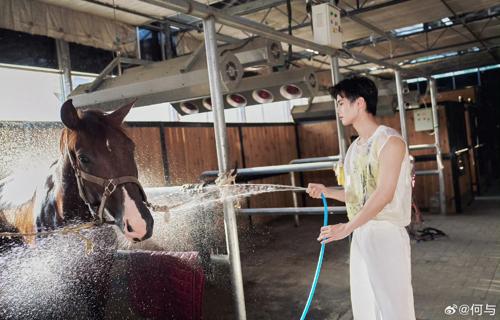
<point>380,272</point>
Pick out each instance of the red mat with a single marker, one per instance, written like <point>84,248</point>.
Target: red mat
<point>166,285</point>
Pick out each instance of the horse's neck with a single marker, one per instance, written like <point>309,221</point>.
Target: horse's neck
<point>61,201</point>
<point>74,206</point>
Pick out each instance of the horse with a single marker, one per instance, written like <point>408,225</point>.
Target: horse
<point>94,180</point>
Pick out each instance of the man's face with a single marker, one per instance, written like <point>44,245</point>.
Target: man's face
<point>347,111</point>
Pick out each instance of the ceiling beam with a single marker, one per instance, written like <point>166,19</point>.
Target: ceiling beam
<point>351,13</point>
<point>475,35</point>
<point>253,6</point>
<point>381,32</point>
<point>427,51</point>
<point>171,21</point>
<point>448,65</point>
<point>372,7</point>
<point>258,5</point>
<point>468,18</point>
<point>202,11</point>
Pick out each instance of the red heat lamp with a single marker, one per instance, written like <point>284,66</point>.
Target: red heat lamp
<point>262,96</point>
<point>236,100</point>
<point>189,107</point>
<point>290,91</point>
<point>207,103</point>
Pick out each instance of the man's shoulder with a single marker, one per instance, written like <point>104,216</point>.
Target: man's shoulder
<point>385,133</point>
<point>388,131</point>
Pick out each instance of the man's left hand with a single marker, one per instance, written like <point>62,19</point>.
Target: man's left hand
<point>334,232</point>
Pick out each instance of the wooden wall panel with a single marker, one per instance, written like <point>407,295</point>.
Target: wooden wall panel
<point>191,150</point>
<point>270,145</point>
<point>148,155</point>
<point>318,139</point>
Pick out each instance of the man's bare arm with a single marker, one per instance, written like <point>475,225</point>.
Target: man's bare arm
<point>315,190</point>
<point>335,193</point>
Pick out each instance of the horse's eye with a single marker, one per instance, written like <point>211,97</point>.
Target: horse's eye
<point>83,159</point>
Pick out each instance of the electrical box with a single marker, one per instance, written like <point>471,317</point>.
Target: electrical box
<point>423,119</point>
<point>326,25</point>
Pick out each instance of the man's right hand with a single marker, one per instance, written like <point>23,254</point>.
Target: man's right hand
<point>315,189</point>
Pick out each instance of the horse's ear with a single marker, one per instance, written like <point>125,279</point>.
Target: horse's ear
<point>117,116</point>
<point>69,115</point>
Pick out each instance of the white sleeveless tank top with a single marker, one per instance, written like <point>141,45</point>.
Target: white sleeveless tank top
<point>361,168</point>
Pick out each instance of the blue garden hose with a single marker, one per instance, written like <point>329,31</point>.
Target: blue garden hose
<point>320,261</point>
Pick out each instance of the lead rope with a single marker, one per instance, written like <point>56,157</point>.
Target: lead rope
<point>76,230</point>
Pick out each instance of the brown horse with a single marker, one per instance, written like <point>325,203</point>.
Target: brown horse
<point>96,163</point>
<point>94,179</point>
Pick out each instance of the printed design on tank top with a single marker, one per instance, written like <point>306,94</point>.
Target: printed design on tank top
<point>363,173</point>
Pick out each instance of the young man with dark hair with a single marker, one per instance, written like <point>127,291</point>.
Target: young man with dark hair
<point>377,194</point>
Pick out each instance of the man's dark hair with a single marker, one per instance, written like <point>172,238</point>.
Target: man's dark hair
<point>357,87</point>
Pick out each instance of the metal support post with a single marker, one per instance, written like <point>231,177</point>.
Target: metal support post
<point>138,39</point>
<point>166,41</point>
<point>401,106</point>
<point>439,157</point>
<point>334,62</point>
<point>64,62</point>
<point>223,163</point>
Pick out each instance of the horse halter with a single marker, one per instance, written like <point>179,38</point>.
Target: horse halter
<point>109,184</point>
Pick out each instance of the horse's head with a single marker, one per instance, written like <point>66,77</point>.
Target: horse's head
<point>97,147</point>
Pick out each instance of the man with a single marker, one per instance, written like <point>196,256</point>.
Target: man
<point>377,193</point>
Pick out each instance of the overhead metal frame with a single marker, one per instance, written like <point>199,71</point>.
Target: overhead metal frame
<point>462,19</point>
<point>429,27</point>
<point>258,5</point>
<point>173,22</point>
<point>255,6</point>
<point>203,11</point>
<point>433,49</point>
<point>476,36</point>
